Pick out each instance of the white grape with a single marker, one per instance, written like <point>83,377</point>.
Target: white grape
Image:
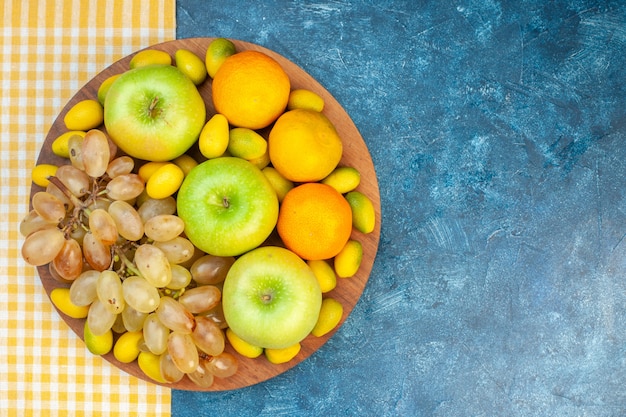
<point>99,318</point>
<point>83,290</point>
<point>127,220</point>
<point>103,227</point>
<point>174,316</point>
<point>154,207</point>
<point>177,250</point>
<point>133,319</point>
<point>153,265</point>
<point>110,294</point>
<point>183,351</point>
<point>95,153</point>
<point>155,334</point>
<point>140,294</point>
<point>164,227</point>
<point>120,165</point>
<point>181,277</point>
<point>42,246</point>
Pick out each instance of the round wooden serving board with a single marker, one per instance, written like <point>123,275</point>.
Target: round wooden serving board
<point>356,154</point>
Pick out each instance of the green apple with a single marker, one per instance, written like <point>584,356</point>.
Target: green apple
<point>228,206</point>
<point>271,298</point>
<point>154,112</point>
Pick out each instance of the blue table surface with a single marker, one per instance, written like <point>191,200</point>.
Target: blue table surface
<point>497,131</point>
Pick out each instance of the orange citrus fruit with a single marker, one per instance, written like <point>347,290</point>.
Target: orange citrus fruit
<point>251,89</point>
<point>304,145</point>
<point>314,221</point>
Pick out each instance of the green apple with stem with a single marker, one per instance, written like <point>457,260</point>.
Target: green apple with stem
<point>271,298</point>
<point>154,112</point>
<point>228,206</point>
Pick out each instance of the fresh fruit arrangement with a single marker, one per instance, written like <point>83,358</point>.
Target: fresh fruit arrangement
<point>195,214</point>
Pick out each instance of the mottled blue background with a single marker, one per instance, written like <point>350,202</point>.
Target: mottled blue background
<point>497,129</point>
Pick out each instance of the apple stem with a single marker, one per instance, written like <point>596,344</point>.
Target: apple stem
<point>153,105</point>
<point>225,202</point>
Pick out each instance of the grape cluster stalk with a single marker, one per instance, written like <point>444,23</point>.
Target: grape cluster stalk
<point>125,256</point>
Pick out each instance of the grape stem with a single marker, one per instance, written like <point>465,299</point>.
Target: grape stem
<point>80,209</point>
<point>75,200</point>
<point>128,265</point>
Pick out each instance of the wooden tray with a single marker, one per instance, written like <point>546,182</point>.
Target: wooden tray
<point>356,154</point>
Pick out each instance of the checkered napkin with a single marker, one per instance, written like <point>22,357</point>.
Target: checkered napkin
<point>49,50</point>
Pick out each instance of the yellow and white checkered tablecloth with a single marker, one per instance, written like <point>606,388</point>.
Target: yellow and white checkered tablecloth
<point>49,50</point>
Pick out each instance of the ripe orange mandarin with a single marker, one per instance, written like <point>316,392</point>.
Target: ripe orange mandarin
<point>314,221</point>
<point>251,89</point>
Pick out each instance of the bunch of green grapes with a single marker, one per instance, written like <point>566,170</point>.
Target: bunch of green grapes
<point>125,258</point>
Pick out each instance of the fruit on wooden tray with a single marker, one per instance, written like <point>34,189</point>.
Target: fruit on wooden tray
<point>159,227</point>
